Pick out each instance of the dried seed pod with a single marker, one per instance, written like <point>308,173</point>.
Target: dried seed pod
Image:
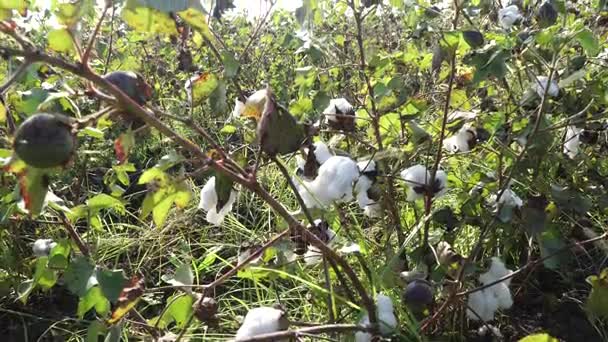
<point>205,310</point>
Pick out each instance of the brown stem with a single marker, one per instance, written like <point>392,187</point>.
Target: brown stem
<point>75,237</point>
<point>293,187</point>
<point>87,53</point>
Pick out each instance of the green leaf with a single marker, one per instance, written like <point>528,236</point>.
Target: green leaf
<point>103,201</point>
<point>95,329</point>
<point>60,40</point>
<point>59,255</point>
<point>179,309</point>
<point>154,174</point>
<point>550,243</point>
<point>539,338</point>
<point>589,43</point>
<point>91,132</point>
<point>231,64</point>
<point>597,303</point>
<point>93,299</point>
<point>77,275</point>
<point>33,186</point>
<point>161,210</point>
<point>223,189</point>
<point>30,100</point>
<point>69,12</point>
<point>111,283</point>
<point>217,99</point>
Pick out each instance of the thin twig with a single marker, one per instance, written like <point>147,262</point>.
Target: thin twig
<point>20,70</point>
<point>87,53</point>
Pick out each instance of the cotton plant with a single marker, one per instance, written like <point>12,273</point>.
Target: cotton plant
<point>387,321</point>
<point>483,304</point>
<point>541,85</point>
<point>462,141</point>
<point>508,16</point>
<point>418,177</point>
<point>262,320</point>
<point>572,141</point>
<point>42,247</point>
<point>209,201</point>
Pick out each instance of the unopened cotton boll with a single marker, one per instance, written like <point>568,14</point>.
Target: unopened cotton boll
<point>209,200</point>
<point>572,142</point>
<point>262,320</point>
<point>42,247</point>
<point>334,183</point>
<point>417,178</point>
<point>461,141</point>
<point>386,319</point>
<point>508,16</point>
<point>541,84</point>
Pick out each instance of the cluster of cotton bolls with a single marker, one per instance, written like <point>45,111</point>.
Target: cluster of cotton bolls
<point>209,201</point>
<point>418,179</point>
<point>386,319</point>
<point>335,180</point>
<point>483,304</point>
<point>262,320</point>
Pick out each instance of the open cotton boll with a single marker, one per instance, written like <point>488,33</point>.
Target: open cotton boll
<point>386,319</point>
<point>334,183</point>
<point>208,203</point>
<point>322,152</point>
<point>508,16</point>
<point>338,106</point>
<point>461,141</point>
<point>541,84</point>
<point>373,210</point>
<point>239,107</point>
<point>482,303</point>
<point>417,178</point>
<point>572,142</point>
<point>314,256</point>
<point>42,247</point>
<point>510,199</point>
<point>262,320</point>
<point>497,270</point>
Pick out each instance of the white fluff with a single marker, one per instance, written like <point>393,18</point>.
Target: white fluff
<point>508,16</point>
<point>262,320</point>
<point>42,247</point>
<point>313,255</point>
<point>572,143</point>
<point>336,106</point>
<point>253,106</point>
<point>487,301</point>
<point>322,152</point>
<point>386,319</point>
<point>508,199</point>
<point>373,210</point>
<point>188,87</point>
<point>459,142</point>
<point>541,84</point>
<point>334,183</point>
<point>239,107</point>
<point>209,203</point>
<point>418,175</point>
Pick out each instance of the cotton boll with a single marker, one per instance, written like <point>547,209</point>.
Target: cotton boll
<point>363,184</point>
<point>338,106</point>
<point>322,152</point>
<point>239,108</point>
<point>208,203</point>
<point>334,183</point>
<point>373,210</point>
<point>484,304</point>
<point>386,319</point>
<point>462,141</point>
<point>42,247</point>
<point>499,270</point>
<point>509,198</point>
<point>541,83</point>
<point>572,143</point>
<point>508,16</point>
<point>415,177</point>
<point>503,295</point>
<point>263,320</point>
<point>441,183</point>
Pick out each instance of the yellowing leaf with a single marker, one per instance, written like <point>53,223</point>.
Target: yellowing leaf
<point>201,87</point>
<point>149,20</point>
<point>198,20</point>
<point>539,338</point>
<point>60,40</point>
<point>2,113</point>
<point>69,12</point>
<point>127,299</point>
